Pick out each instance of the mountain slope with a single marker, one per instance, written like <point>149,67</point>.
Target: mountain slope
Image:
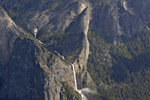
<point>37,75</point>
<point>9,32</point>
<point>31,71</point>
<point>106,40</point>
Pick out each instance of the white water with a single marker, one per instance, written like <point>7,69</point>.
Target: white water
<point>35,32</point>
<point>75,82</point>
<point>60,55</point>
<point>35,35</point>
<point>83,57</point>
<point>41,42</point>
<point>125,5</point>
<point>87,90</point>
<point>85,51</point>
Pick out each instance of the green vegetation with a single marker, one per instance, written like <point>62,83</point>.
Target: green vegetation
<point>23,10</point>
<point>68,44</point>
<point>121,72</point>
<point>125,75</point>
<point>68,93</point>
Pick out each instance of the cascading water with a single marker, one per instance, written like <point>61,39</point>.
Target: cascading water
<point>75,80</point>
<point>87,90</point>
<point>76,87</point>
<point>83,57</point>
<point>85,51</point>
<point>125,5</point>
<point>35,32</point>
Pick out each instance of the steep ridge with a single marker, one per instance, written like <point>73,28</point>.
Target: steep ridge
<point>80,63</point>
<point>9,31</point>
<point>80,91</point>
<point>64,26</point>
<point>73,67</point>
<point>125,5</point>
<point>42,74</point>
<point>83,56</point>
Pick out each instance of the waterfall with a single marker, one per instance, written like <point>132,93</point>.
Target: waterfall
<point>59,55</point>
<point>125,6</point>
<point>87,90</point>
<point>83,57</point>
<point>75,80</point>
<point>35,31</point>
<point>76,87</point>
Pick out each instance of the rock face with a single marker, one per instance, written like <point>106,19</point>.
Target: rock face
<point>61,26</point>
<point>8,33</point>
<point>28,71</point>
<point>38,75</point>
<point>118,17</point>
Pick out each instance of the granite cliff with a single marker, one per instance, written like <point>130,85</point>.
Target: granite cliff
<point>107,42</point>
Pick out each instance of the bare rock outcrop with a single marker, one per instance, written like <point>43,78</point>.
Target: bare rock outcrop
<point>38,75</point>
<point>9,31</point>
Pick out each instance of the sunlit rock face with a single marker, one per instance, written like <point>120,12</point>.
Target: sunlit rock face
<point>28,71</point>
<point>39,74</point>
<point>115,18</point>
